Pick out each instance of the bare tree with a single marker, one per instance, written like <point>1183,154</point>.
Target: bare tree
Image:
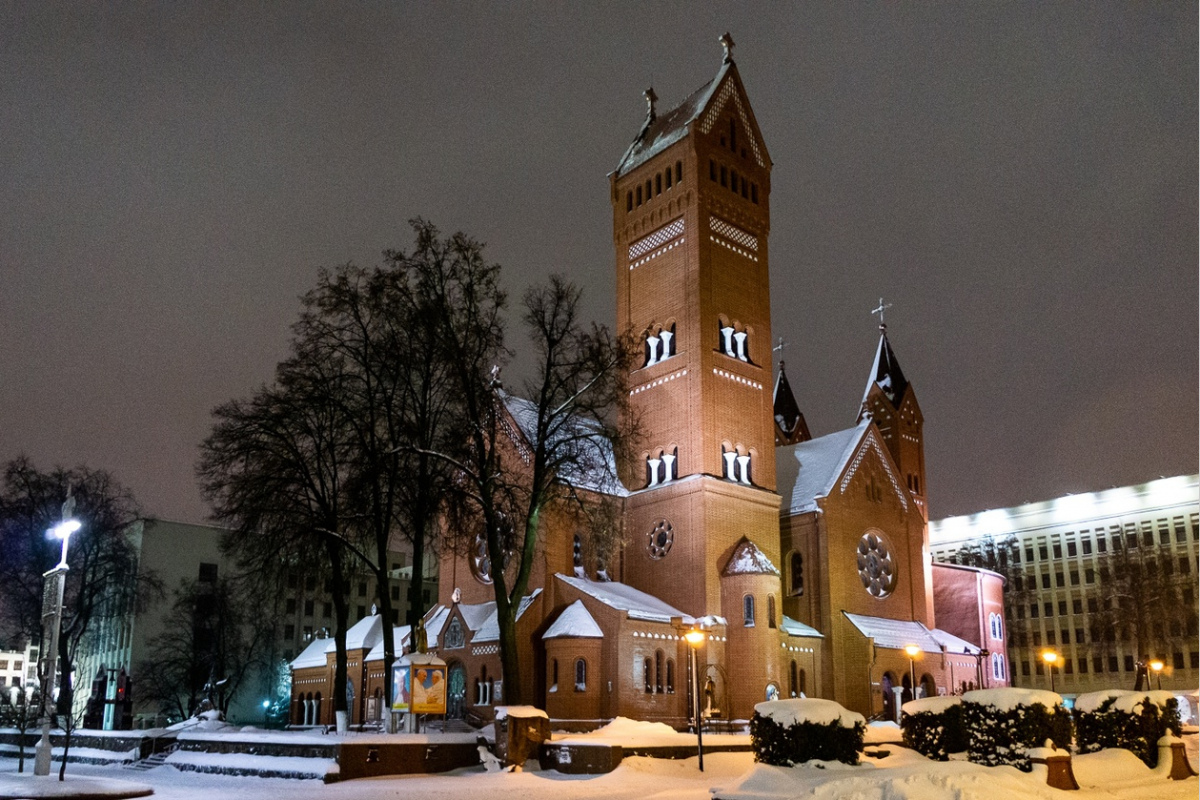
<point>525,455</point>
<point>275,469</point>
<point>20,708</point>
<point>104,580</point>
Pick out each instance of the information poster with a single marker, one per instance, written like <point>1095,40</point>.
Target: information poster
<point>401,688</point>
<point>428,693</point>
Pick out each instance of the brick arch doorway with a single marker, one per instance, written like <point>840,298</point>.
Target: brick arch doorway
<point>456,693</point>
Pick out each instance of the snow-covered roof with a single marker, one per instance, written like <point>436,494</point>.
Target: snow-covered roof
<point>574,623</point>
<point>474,615</point>
<point>489,630</point>
<point>399,634</point>
<point>591,463</point>
<point>895,634</point>
<point>665,130</point>
<point>809,470</point>
<point>952,643</point>
<point>311,656</point>
<point>747,559</point>
<point>364,634</point>
<point>635,603</point>
<point>793,627</point>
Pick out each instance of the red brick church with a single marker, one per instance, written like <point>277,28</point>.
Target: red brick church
<point>804,560</point>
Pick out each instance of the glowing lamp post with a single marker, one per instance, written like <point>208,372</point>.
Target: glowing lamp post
<point>52,603</point>
<point>1157,666</point>
<point>695,638</point>
<point>1051,658</point>
<point>913,651</point>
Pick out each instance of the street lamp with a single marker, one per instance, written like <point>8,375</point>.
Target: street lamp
<point>695,638</point>
<point>1051,658</point>
<point>913,651</point>
<point>52,602</point>
<point>1157,666</point>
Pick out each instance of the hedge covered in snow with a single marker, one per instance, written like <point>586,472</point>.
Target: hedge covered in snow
<point>933,726</point>
<point>1002,724</point>
<point>1133,721</point>
<point>788,732</point>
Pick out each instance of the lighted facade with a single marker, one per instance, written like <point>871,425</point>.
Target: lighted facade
<point>1104,579</point>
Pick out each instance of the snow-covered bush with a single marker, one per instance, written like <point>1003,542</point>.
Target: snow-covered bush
<point>1002,724</point>
<point>1133,721</point>
<point>788,732</point>
<point>933,726</point>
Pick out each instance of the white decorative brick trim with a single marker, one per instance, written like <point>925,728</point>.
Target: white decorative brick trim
<point>658,382</point>
<point>655,244</point>
<point>737,378</point>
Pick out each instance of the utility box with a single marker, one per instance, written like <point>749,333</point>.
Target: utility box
<point>520,731</point>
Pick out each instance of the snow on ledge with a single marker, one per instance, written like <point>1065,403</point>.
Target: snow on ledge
<point>810,709</point>
<point>524,712</point>
<point>1009,698</point>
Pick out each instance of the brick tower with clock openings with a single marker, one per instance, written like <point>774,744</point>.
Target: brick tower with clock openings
<point>691,218</point>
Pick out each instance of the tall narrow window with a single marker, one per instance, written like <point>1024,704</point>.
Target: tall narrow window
<point>793,684</point>
<point>670,676</point>
<point>669,177</point>
<point>629,201</point>
<point>796,568</point>
<point>648,675</point>
<point>577,556</point>
<point>748,611</point>
<point>554,674</point>
<point>658,671</point>
<point>679,172</point>
<point>580,675</point>
<point>658,184</point>
<point>770,611</point>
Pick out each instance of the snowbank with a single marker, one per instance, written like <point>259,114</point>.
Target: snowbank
<point>624,728</point>
<point>930,705</point>
<point>1007,699</point>
<point>819,712</point>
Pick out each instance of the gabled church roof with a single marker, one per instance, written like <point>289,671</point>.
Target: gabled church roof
<point>593,465</point>
<point>894,634</point>
<point>747,559</point>
<point>574,623</point>
<point>886,373</point>
<point>620,596</point>
<point>790,426</point>
<point>660,131</point>
<point>809,470</point>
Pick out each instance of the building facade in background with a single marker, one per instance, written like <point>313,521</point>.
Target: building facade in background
<point>1106,581</point>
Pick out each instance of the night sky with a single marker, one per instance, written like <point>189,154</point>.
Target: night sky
<point>1018,180</point>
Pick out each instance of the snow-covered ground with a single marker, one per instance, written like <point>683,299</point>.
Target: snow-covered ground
<point>903,775</point>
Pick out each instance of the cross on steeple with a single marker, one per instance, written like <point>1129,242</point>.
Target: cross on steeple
<point>727,42</point>
<point>779,349</point>
<point>651,99</point>
<point>879,310</point>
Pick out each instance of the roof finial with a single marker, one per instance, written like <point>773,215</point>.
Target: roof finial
<point>727,43</point>
<point>879,310</point>
<point>779,349</point>
<point>651,98</point>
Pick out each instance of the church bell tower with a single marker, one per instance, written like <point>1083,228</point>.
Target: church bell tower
<point>691,218</point>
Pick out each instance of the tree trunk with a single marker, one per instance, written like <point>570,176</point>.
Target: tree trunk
<point>341,608</point>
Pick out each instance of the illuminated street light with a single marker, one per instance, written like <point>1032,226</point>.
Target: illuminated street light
<point>1051,658</point>
<point>1157,666</point>
<point>52,607</point>
<point>695,638</point>
<point>913,651</point>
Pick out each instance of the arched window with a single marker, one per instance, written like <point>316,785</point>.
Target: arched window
<point>670,672</point>
<point>580,675</point>
<point>649,189</point>
<point>770,611</point>
<point>748,611</point>
<point>793,683</point>
<point>669,174</point>
<point>577,556</point>
<point>658,671</point>
<point>679,172</point>
<point>648,675</point>
<point>554,674</point>
<point>658,183</point>
<point>639,194</point>
<point>796,574</point>
<point>629,201</point>
<point>803,684</point>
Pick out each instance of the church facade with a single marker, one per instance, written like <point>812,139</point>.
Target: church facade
<point>804,561</point>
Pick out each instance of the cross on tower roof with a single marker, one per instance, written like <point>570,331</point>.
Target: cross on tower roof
<point>727,42</point>
<point>779,349</point>
<point>651,98</point>
<point>879,310</point>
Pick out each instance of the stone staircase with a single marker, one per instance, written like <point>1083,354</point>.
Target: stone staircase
<point>154,759</point>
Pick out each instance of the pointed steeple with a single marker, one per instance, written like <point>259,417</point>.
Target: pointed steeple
<point>886,373</point>
<point>790,427</point>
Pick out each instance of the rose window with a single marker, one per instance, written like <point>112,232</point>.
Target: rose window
<point>481,565</point>
<point>876,569</point>
<point>659,539</point>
